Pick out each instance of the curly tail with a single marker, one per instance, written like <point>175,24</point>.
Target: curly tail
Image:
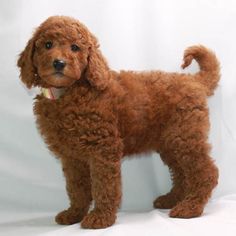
<point>209,73</point>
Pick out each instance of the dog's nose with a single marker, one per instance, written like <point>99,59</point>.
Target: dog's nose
<point>59,64</point>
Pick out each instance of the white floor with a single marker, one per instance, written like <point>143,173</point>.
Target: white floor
<point>218,219</point>
<point>26,224</point>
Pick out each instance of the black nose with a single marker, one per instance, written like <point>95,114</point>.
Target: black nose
<point>59,64</point>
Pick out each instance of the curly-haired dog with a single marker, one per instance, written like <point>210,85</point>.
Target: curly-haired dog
<point>104,115</point>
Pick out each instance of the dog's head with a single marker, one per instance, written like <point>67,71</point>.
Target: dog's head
<point>61,51</point>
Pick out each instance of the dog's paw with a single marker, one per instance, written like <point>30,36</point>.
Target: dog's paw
<point>70,216</point>
<point>98,220</point>
<point>186,209</point>
<point>167,201</point>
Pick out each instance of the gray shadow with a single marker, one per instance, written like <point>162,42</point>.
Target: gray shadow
<point>45,221</point>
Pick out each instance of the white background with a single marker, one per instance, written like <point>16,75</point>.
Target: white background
<point>133,34</point>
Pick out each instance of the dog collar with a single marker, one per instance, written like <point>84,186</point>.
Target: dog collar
<point>52,93</point>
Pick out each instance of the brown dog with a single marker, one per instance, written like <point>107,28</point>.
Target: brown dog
<point>103,116</point>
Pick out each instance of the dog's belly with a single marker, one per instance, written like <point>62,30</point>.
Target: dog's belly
<point>141,143</point>
<point>140,134</point>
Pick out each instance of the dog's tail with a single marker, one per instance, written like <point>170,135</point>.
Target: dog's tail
<point>209,73</point>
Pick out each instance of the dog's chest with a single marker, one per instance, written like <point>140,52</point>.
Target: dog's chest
<point>67,128</point>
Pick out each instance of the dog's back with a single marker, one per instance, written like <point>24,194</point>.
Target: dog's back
<point>146,101</point>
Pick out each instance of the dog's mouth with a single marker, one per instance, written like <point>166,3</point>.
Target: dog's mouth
<point>57,79</point>
<point>59,74</point>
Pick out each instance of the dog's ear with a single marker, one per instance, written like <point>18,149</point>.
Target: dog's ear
<point>25,63</point>
<point>97,71</point>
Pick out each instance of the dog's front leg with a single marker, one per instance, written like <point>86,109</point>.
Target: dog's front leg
<point>78,187</point>
<point>106,192</point>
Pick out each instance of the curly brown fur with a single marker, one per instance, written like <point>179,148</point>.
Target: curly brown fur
<point>105,115</point>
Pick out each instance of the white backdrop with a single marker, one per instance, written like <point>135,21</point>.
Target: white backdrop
<point>134,34</point>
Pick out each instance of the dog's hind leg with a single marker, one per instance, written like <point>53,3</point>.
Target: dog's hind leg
<point>177,193</point>
<point>201,178</point>
<point>186,139</point>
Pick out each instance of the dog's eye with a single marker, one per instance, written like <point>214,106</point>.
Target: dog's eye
<point>48,45</point>
<point>75,48</point>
